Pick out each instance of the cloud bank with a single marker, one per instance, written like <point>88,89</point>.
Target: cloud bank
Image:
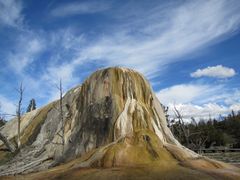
<point>200,101</point>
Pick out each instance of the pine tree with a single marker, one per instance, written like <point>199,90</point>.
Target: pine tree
<point>32,105</point>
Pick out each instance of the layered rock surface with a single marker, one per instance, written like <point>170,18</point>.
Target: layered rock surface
<point>112,120</point>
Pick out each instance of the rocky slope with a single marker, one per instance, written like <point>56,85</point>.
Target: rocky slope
<point>112,120</point>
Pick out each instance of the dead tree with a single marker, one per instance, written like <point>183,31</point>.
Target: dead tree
<point>7,143</point>
<point>184,131</point>
<point>170,122</point>
<point>198,141</point>
<point>165,109</point>
<point>61,112</point>
<point>60,133</point>
<point>19,114</point>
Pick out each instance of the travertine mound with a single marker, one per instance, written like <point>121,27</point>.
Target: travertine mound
<point>112,120</point>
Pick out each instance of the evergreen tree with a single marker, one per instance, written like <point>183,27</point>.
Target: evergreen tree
<point>2,121</point>
<point>32,105</point>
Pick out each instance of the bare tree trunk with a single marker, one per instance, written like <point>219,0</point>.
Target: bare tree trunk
<point>61,132</point>
<point>18,113</point>
<point>61,114</point>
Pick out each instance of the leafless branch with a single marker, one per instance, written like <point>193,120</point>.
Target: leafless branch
<point>18,112</point>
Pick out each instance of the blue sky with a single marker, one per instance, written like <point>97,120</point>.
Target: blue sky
<point>188,50</point>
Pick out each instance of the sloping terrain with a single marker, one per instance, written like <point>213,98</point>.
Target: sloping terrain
<point>114,127</point>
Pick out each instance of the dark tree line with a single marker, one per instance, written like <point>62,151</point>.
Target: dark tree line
<point>207,133</point>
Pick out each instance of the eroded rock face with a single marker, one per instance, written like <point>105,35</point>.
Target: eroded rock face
<point>112,115</point>
<point>115,103</point>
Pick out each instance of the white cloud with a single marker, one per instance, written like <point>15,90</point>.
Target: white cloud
<point>143,37</point>
<point>235,107</point>
<point>57,69</point>
<point>29,56</point>
<point>26,51</point>
<point>55,73</point>
<point>218,71</point>
<point>186,93</point>
<point>7,106</point>
<point>186,28</point>
<point>79,8</point>
<point>10,13</point>
<point>233,98</point>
